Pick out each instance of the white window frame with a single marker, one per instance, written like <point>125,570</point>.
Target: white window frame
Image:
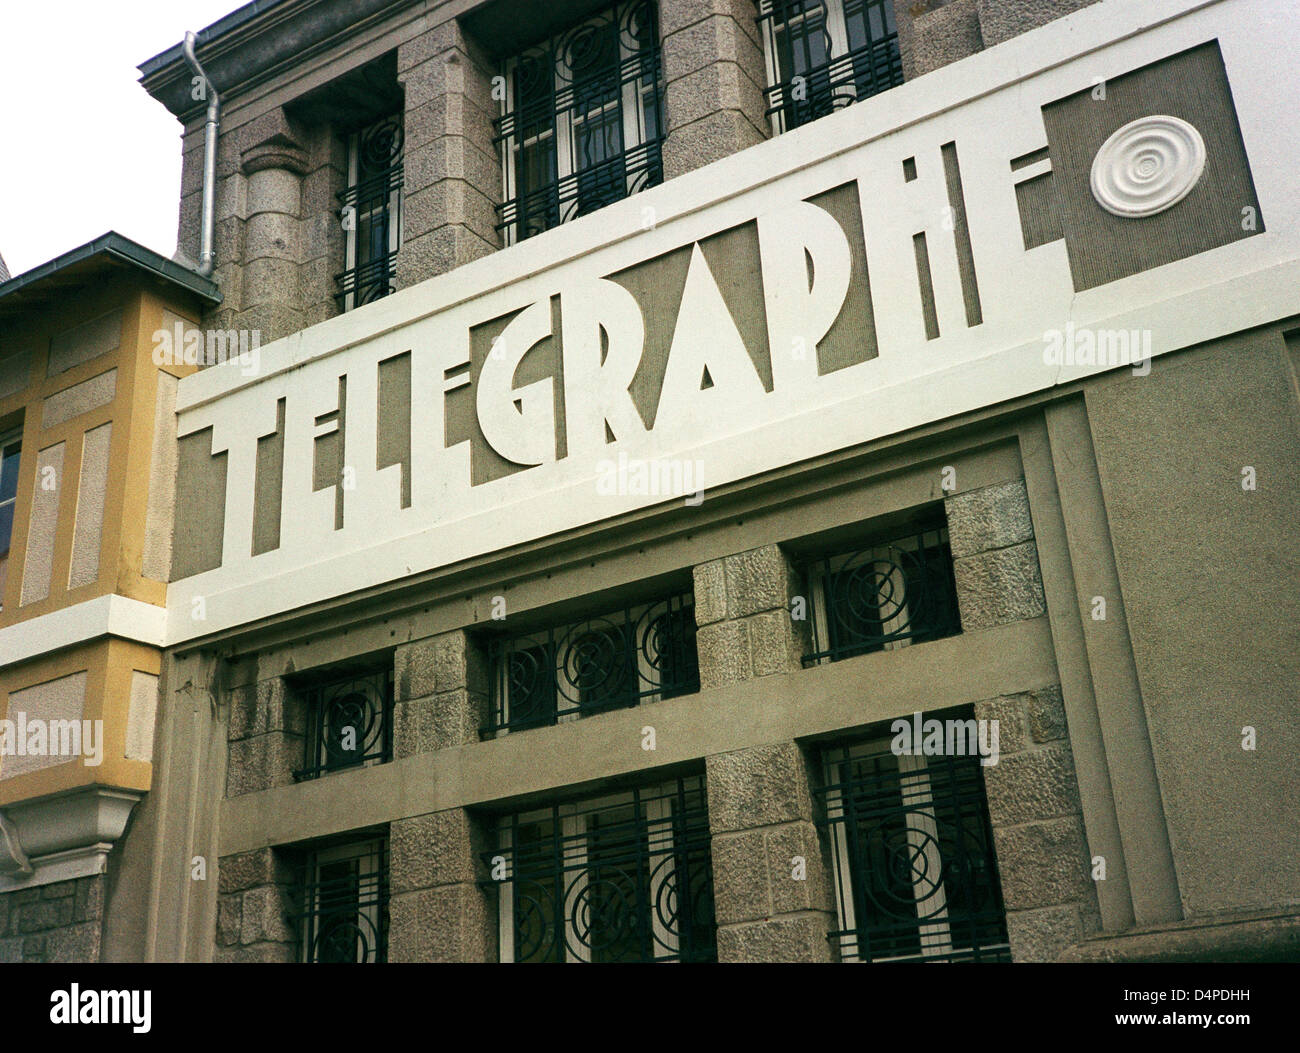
<point>657,803</point>
<point>8,439</point>
<point>353,232</point>
<point>369,855</point>
<point>633,99</point>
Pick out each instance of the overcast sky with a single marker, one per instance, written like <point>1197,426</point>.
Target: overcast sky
<point>83,148</point>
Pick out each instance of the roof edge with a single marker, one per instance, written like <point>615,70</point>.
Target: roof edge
<point>124,249</point>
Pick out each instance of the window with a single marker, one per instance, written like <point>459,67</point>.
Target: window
<point>349,724</point>
<point>344,916</point>
<point>623,878</point>
<point>825,54</point>
<point>10,448</point>
<point>581,120</point>
<point>372,213</point>
<point>886,595</point>
<point>915,873</point>
<point>640,653</point>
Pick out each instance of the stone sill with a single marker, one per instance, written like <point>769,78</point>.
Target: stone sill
<point>1260,936</point>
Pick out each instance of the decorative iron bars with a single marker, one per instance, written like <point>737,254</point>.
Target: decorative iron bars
<point>581,125</point>
<point>371,209</point>
<point>915,874</point>
<point>827,54</point>
<point>608,662</point>
<point>625,878</point>
<point>349,724</point>
<point>344,904</point>
<point>881,597</point>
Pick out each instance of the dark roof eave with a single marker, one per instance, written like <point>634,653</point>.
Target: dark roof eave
<point>117,247</point>
<point>253,42</point>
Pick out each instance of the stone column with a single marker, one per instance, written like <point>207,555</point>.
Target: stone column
<point>254,904</point>
<point>453,177</point>
<point>273,160</point>
<point>742,609</point>
<point>714,75</point>
<point>440,694</point>
<point>771,893</point>
<point>438,911</point>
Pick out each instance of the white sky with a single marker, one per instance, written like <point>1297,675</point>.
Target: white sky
<point>83,148</point>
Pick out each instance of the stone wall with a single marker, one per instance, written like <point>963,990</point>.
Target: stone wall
<point>254,906</point>
<point>742,611</point>
<point>58,922</point>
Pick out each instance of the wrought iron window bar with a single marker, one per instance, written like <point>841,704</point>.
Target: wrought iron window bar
<point>582,125</point>
<point>815,73</point>
<point>613,661</point>
<point>370,210</point>
<point>882,596</point>
<point>915,871</point>
<point>627,878</point>
<point>349,724</point>
<point>343,904</point>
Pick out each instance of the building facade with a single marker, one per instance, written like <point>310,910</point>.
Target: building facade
<point>801,481</point>
<point>87,478</point>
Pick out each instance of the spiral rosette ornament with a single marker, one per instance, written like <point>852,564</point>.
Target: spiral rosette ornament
<point>1147,166</point>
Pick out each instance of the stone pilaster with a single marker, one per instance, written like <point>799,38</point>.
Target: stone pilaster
<point>452,172</point>
<point>772,896</point>
<point>1034,806</point>
<point>742,609</point>
<point>438,911</point>
<point>440,694</point>
<point>254,907</point>
<point>995,560</point>
<point>714,76</point>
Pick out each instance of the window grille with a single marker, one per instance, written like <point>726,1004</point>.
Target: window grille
<point>882,596</point>
<point>581,122</point>
<point>10,455</point>
<point>344,897</point>
<point>639,653</point>
<point>825,54</point>
<point>915,873</point>
<point>349,724</point>
<point>371,213</point>
<point>623,878</point>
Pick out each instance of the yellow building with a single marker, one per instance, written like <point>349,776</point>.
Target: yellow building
<point>87,437</point>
